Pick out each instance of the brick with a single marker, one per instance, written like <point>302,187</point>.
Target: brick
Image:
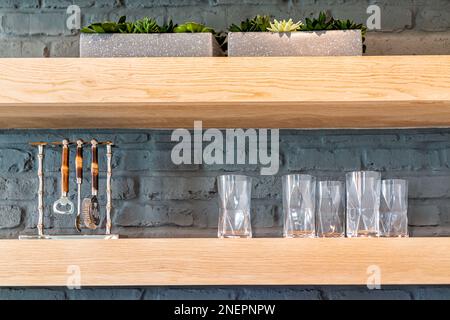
<point>134,215</point>
<point>51,24</point>
<point>236,14</point>
<point>25,4</point>
<point>108,3</point>
<point>123,188</point>
<point>104,294</point>
<point>129,138</point>
<point>275,293</point>
<point>65,47</point>
<point>266,187</point>
<point>16,24</point>
<point>58,4</point>
<point>10,48</point>
<point>366,294</point>
<point>32,47</point>
<point>432,294</point>
<point>192,294</point>
<point>15,161</point>
<point>92,16</point>
<point>423,214</point>
<point>133,14</point>
<point>359,139</point>
<point>263,216</point>
<point>179,188</point>
<point>424,187</point>
<point>401,159</point>
<point>161,3</point>
<point>429,231</point>
<point>132,160</point>
<point>10,216</point>
<point>17,188</point>
<point>408,43</point>
<point>434,16</point>
<point>31,294</point>
<point>182,217</point>
<point>323,159</point>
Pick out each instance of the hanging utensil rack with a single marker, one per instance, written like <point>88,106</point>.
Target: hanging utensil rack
<point>41,193</point>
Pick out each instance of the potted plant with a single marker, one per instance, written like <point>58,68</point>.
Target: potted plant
<point>146,38</point>
<point>322,36</point>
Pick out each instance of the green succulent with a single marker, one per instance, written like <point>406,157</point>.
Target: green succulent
<point>106,27</point>
<point>146,25</point>
<point>257,24</point>
<point>284,26</point>
<point>323,22</point>
<point>193,27</point>
<point>167,27</point>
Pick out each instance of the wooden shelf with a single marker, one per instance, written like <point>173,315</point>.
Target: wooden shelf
<point>136,262</point>
<point>307,92</point>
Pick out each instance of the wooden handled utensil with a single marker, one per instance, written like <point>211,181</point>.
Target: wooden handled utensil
<point>91,207</point>
<point>63,205</point>
<point>79,175</point>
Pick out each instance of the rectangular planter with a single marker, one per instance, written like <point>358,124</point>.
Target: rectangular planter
<point>301,43</point>
<point>149,45</point>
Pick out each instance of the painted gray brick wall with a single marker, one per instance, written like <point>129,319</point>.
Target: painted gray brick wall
<point>154,198</point>
<point>37,28</point>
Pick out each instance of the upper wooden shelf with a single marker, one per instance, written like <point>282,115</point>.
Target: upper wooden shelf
<point>307,92</point>
<point>137,262</point>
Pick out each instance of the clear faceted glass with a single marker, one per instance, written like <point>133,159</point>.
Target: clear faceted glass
<point>330,209</point>
<point>394,208</point>
<point>363,203</point>
<point>299,205</point>
<point>234,206</point>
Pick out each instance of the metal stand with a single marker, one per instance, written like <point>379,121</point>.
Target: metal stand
<point>40,224</point>
<point>108,188</point>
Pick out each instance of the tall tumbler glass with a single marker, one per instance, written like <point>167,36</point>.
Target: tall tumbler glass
<point>394,208</point>
<point>234,208</point>
<point>299,205</point>
<point>363,203</point>
<point>330,209</point>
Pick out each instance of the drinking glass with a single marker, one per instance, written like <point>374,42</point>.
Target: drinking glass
<point>363,203</point>
<point>330,208</point>
<point>299,205</point>
<point>394,208</point>
<point>234,208</point>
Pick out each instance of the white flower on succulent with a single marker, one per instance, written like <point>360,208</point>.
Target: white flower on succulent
<point>284,26</point>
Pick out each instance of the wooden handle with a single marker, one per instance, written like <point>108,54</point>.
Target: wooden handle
<point>94,167</point>
<point>65,168</point>
<point>79,160</point>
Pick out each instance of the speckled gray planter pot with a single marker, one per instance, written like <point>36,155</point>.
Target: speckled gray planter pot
<point>302,43</point>
<point>149,45</point>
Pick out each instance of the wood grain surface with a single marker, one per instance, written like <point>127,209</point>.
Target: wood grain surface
<point>281,92</point>
<point>263,261</point>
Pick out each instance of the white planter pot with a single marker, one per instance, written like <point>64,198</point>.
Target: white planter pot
<point>300,43</point>
<point>149,45</point>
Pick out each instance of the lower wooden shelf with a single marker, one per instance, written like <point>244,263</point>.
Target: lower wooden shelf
<point>263,261</point>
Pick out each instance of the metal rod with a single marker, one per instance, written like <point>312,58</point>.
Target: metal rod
<point>58,143</point>
<point>108,188</point>
<point>40,224</point>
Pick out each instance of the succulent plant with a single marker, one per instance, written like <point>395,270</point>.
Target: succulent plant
<point>284,26</point>
<point>144,25</point>
<point>257,24</point>
<point>192,27</point>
